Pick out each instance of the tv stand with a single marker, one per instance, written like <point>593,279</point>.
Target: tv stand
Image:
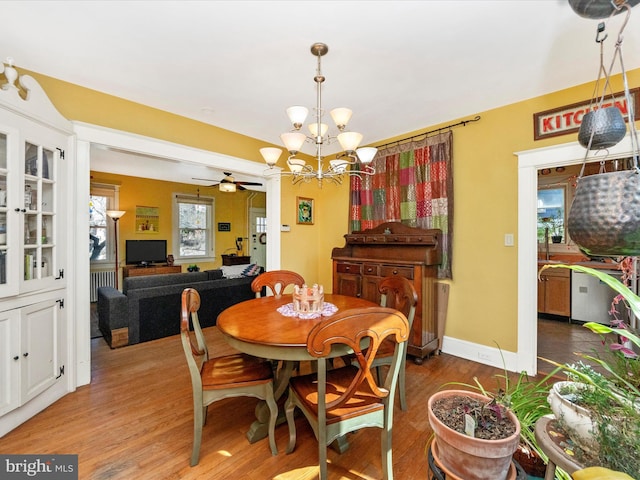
<point>156,269</point>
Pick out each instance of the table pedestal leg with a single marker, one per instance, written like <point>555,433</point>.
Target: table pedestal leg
<point>260,428</point>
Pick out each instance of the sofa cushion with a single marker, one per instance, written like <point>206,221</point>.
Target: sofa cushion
<point>148,281</point>
<point>214,274</point>
<point>158,309</point>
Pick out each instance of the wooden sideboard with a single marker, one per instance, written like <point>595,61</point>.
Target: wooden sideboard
<point>394,249</point>
<point>136,271</point>
<point>228,260</point>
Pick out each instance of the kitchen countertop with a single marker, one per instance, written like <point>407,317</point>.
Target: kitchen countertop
<point>607,265</point>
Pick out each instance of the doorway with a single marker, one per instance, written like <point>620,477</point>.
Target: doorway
<point>529,162</point>
<point>258,236</point>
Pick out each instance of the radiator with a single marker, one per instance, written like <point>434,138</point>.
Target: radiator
<point>100,279</point>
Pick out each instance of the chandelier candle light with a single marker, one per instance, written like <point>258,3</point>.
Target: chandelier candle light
<point>349,141</point>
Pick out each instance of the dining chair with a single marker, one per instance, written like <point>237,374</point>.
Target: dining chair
<point>214,379</point>
<point>399,293</point>
<point>345,399</point>
<point>276,281</point>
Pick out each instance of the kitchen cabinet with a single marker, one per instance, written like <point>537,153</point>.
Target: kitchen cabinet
<point>37,148</point>
<point>554,292</point>
<point>387,250</point>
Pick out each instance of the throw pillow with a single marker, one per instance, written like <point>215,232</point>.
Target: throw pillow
<point>233,271</point>
<point>251,271</point>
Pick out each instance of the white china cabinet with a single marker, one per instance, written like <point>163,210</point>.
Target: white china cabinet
<point>36,148</point>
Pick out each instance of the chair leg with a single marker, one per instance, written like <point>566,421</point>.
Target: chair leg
<point>289,408</point>
<point>387,463</point>
<point>199,413</point>
<point>322,451</point>
<point>401,381</point>
<point>273,409</point>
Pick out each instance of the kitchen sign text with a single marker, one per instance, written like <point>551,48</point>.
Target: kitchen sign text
<point>567,119</point>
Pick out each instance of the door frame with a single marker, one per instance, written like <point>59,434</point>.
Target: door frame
<point>529,162</point>
<point>87,134</point>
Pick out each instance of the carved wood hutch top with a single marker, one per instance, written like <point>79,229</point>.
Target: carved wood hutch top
<point>422,246</point>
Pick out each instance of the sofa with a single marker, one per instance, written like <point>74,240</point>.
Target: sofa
<point>148,307</point>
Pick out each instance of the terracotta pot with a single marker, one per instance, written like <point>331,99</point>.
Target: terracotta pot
<point>468,457</point>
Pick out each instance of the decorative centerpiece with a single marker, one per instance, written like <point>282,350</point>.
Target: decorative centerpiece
<point>308,300</point>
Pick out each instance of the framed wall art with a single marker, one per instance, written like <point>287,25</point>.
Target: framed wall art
<point>147,219</point>
<point>305,211</point>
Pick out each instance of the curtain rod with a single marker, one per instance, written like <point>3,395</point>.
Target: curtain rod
<point>397,142</point>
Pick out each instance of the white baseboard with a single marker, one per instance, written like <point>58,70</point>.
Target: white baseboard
<point>475,352</point>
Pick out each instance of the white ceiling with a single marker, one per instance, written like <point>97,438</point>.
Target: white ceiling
<point>400,65</point>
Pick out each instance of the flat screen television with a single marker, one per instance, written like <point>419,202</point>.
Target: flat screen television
<point>146,252</point>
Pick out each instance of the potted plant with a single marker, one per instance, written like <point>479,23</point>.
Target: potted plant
<point>612,379</point>
<point>555,227</point>
<point>474,435</point>
<point>527,399</point>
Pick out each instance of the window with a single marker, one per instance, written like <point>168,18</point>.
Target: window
<point>194,217</point>
<point>101,199</point>
<point>551,214</point>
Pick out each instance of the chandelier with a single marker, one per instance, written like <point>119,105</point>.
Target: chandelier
<point>319,135</point>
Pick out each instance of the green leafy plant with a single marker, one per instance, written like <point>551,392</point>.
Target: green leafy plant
<point>555,224</point>
<point>613,398</point>
<point>527,399</point>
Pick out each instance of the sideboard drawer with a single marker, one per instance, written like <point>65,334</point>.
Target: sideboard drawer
<point>391,271</point>
<point>354,268</point>
<point>371,269</point>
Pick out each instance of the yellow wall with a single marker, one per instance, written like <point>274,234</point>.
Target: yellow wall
<point>483,294</point>
<point>229,207</point>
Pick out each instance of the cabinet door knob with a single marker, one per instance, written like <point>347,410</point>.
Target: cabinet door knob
<point>395,272</point>
<point>16,357</point>
<point>26,354</point>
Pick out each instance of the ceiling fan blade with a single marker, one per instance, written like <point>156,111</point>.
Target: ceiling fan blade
<point>240,187</point>
<point>254,184</point>
<point>205,179</point>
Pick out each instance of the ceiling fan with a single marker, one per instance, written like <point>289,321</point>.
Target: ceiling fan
<point>228,183</point>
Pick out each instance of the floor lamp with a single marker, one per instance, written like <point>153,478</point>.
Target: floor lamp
<point>115,215</point>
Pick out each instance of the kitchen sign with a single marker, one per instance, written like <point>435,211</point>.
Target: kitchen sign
<point>567,119</point>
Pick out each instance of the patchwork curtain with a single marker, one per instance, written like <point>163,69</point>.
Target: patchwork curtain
<point>413,184</point>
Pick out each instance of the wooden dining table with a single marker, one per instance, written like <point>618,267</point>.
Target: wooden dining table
<point>257,328</point>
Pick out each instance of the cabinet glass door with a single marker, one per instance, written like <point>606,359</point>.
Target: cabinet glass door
<point>39,219</point>
<point>3,208</point>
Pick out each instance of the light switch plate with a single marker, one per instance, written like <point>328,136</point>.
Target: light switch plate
<point>508,239</point>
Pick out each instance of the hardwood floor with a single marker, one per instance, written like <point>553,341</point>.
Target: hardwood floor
<point>559,340</point>
<point>135,422</point>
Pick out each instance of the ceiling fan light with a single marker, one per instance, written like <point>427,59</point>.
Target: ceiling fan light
<point>313,128</point>
<point>297,114</point>
<point>271,155</point>
<point>227,187</point>
<point>293,140</point>
<point>366,154</point>
<point>296,165</point>
<point>341,116</point>
<point>349,141</point>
